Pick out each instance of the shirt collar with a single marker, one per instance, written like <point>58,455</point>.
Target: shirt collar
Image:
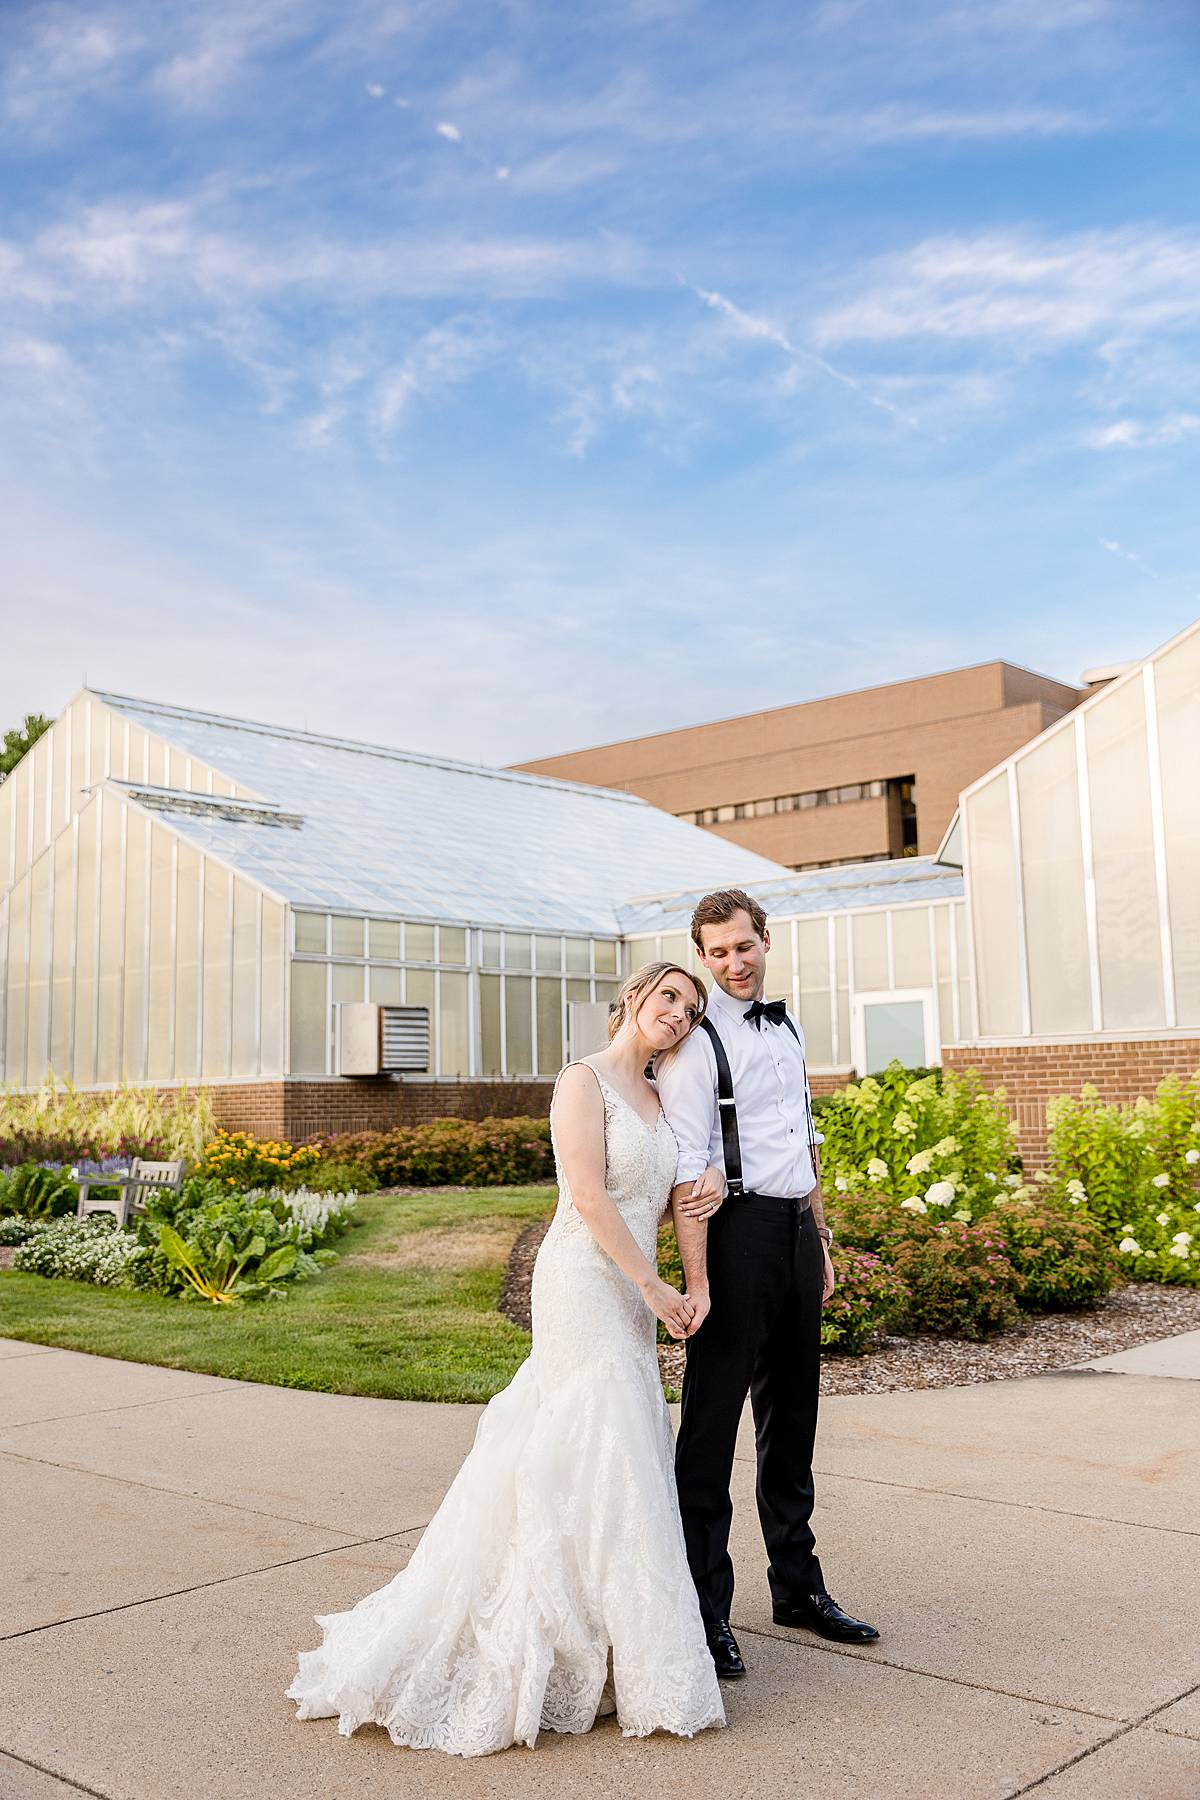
<point>734,1009</point>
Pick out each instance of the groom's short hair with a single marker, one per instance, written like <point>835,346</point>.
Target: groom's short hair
<point>719,908</point>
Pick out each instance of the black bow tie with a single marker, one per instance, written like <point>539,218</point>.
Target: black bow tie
<point>773,1011</point>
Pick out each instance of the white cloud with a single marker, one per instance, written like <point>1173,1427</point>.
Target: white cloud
<point>444,357</point>
<point>449,131</point>
<point>1142,434</point>
<point>1016,286</point>
<point>375,90</point>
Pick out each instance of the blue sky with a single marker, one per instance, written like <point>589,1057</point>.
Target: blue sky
<point>494,380</point>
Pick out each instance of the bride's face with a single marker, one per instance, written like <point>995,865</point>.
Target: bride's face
<point>668,1011</point>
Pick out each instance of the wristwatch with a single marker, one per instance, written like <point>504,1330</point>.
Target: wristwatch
<point>825,1232</point>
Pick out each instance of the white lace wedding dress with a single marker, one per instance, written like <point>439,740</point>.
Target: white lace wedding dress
<point>560,1536</point>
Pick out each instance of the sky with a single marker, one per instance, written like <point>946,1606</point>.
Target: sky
<point>498,380</point>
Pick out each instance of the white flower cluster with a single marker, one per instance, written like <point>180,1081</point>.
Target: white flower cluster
<point>312,1211</point>
<point>77,1250</point>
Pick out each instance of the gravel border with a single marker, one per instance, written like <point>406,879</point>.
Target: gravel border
<point>1138,1312</point>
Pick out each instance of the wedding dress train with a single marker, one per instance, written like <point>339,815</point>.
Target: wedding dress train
<point>559,1542</point>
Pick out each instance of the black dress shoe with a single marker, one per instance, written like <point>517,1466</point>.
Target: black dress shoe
<point>822,1614</point>
<point>727,1658</point>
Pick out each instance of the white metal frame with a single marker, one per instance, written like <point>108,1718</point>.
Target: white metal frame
<point>893,996</point>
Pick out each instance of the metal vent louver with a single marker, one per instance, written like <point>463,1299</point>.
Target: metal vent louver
<point>405,1038</point>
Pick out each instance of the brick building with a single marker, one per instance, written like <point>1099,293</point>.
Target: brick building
<point>866,776</point>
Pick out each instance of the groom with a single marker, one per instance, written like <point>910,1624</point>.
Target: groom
<point>736,1095</point>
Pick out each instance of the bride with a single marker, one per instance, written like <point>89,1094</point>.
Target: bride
<point>552,1583</point>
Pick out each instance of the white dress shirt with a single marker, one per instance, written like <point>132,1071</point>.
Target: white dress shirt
<point>767,1065</point>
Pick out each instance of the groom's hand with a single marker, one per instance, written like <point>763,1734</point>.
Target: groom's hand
<point>703,1305</point>
<point>830,1281</point>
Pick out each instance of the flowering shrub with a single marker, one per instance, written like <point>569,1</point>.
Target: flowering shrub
<point>869,1295</point>
<point>1062,1258</point>
<point>59,1124</point>
<point>240,1160</point>
<point>960,1282</point>
<point>1136,1170</point>
<point>450,1152</point>
<point>323,1215</point>
<point>78,1250</point>
<point>15,1230</point>
<point>938,1144</point>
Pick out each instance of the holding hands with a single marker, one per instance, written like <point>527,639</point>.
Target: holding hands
<point>676,1310</point>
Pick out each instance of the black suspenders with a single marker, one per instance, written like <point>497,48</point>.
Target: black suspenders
<point>727,1108</point>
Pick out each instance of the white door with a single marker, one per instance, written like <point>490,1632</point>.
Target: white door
<point>894,1025</point>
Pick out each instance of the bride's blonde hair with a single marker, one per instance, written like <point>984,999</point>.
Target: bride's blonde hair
<point>635,987</point>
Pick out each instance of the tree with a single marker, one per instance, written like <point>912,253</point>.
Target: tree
<point>17,742</point>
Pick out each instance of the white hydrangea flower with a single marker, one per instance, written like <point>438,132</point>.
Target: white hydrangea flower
<point>989,1176</point>
<point>1129,1247</point>
<point>1193,1156</point>
<point>903,1125</point>
<point>1161,1181</point>
<point>877,1169</point>
<point>913,1205</point>
<point>919,1164</point>
<point>1182,1237</point>
<point>964,1218</point>
<point>1163,1218</point>
<point>1180,1250</point>
<point>945,1146</point>
<point>1077,1188</point>
<point>940,1194</point>
<point>841,1184</point>
<point>1013,1181</point>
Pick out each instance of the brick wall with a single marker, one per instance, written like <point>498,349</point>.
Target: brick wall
<point>299,1109</point>
<point>1033,1073</point>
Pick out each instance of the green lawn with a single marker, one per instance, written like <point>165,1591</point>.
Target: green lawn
<point>409,1313</point>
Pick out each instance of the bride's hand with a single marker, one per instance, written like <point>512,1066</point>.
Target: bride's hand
<point>668,1304</point>
<point>708,1191</point>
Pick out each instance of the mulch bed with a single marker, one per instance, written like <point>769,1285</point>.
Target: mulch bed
<point>1136,1313</point>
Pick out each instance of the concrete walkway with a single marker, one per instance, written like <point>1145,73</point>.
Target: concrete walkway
<point>1028,1548</point>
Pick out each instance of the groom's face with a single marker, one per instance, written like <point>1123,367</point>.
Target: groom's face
<point>735,956</point>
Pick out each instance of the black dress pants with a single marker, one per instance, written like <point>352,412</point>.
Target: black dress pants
<point>762,1337</point>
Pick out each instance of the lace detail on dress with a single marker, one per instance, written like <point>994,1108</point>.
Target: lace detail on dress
<point>559,1541</point>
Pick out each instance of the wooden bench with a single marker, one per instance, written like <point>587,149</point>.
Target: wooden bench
<point>133,1189</point>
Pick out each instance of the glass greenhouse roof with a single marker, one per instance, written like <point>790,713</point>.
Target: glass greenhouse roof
<point>812,891</point>
<point>342,826</point>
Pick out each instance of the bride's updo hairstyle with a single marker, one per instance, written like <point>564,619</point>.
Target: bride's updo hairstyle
<point>636,987</point>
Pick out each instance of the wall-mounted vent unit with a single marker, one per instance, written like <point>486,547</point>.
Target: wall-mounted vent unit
<point>382,1040</point>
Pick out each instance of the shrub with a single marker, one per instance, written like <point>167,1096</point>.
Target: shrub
<point>238,1159</point>
<point>869,1295</point>
<point>918,1139</point>
<point>15,1230</point>
<point>78,1250</point>
<point>1062,1258</point>
<point>450,1153</point>
<point>960,1283</point>
<point>874,1222</point>
<point>38,1193</point>
<point>59,1124</point>
<point>336,1177</point>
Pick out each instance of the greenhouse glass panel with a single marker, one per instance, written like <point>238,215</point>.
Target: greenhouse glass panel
<point>579,954</point>
<point>189,895</point>
<point>418,943</point>
<point>548,952</point>
<point>994,908</point>
<point>518,950</point>
<point>273,966</point>
<point>607,991</point>
<point>137,869</point>
<point>40,755</point>
<point>816,1020</point>
<point>518,1028</point>
<point>221,784</point>
<point>309,1018</point>
<point>62,961</point>
<point>489,1025</point>
<point>606,958</point>
<point>84,1059</point>
<point>3,979</point>
<point>967,1024</point>
<point>945,982</point>
<point>779,962</point>
<point>674,947</point>
<point>579,993</point>
<point>350,984</point>
<point>217,957</point>
<point>1177,683</point>
<point>245,978</point>
<point>489,949</point>
<point>452,944</point>
<point>80,734</point>
<point>112,940</point>
<point>162,956</point>
<point>642,951</point>
<point>347,936</point>
<point>178,775</point>
<point>1052,879</point>
<point>387,987</point>
<point>311,934</point>
<point>454,1016</point>
<point>37,1044</point>
<point>1123,859</point>
<point>870,951</point>
<point>101,724</point>
<point>549,1027</point>
<point>60,791</point>
<point>910,948</point>
<point>20,781</point>
<point>137,754</point>
<point>7,790</point>
<point>14,1021</point>
<point>842,979</point>
<point>385,940</point>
